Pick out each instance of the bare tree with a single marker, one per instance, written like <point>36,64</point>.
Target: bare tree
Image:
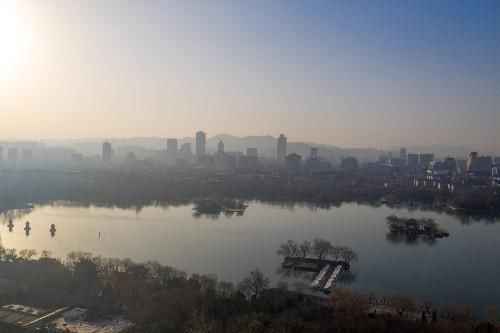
<point>27,254</point>
<point>253,285</point>
<point>401,304</point>
<point>336,252</point>
<point>289,249</point>
<point>321,248</point>
<point>305,248</point>
<point>348,254</point>
<point>225,289</point>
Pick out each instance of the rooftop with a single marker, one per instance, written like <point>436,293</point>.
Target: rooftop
<point>20,315</point>
<point>75,321</point>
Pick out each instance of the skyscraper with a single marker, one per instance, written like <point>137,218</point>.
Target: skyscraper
<point>402,153</point>
<point>412,160</point>
<point>314,153</point>
<point>201,142</point>
<point>185,152</point>
<point>107,152</point>
<point>12,155</point>
<point>220,148</point>
<point>171,151</point>
<point>424,160</point>
<point>281,149</point>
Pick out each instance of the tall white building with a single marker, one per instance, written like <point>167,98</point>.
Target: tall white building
<point>281,149</point>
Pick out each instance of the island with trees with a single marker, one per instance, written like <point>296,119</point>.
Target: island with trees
<point>423,227</point>
<point>217,206</point>
<point>298,257</point>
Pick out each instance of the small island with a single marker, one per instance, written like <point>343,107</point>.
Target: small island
<point>416,227</point>
<point>212,206</point>
<point>328,272</point>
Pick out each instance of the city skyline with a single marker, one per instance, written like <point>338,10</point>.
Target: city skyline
<point>337,73</point>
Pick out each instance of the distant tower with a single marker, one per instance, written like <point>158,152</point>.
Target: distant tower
<point>471,161</point>
<point>314,153</point>
<point>171,151</point>
<point>402,153</point>
<point>201,143</point>
<point>185,152</point>
<point>107,152</point>
<point>281,149</point>
<point>220,148</point>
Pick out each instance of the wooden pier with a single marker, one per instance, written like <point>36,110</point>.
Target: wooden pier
<point>329,271</point>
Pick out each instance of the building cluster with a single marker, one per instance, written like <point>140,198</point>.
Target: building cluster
<point>226,161</point>
<point>448,173</point>
<point>15,155</point>
<point>422,168</point>
<point>15,318</point>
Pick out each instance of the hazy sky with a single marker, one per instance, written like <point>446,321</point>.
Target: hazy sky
<point>349,73</point>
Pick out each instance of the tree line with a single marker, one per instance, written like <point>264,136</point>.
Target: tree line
<point>160,298</point>
<point>320,248</point>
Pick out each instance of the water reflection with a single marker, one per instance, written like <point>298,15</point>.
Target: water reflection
<point>15,214</point>
<point>348,277</point>
<point>409,239</point>
<point>464,217</point>
<point>53,230</point>
<point>10,225</point>
<point>27,228</point>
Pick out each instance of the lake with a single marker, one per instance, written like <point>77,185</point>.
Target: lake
<point>461,269</point>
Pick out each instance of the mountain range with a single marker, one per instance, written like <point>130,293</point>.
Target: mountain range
<point>266,146</point>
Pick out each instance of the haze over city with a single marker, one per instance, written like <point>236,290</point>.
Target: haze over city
<point>351,74</point>
<point>249,166</point>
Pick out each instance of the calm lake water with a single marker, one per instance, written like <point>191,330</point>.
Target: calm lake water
<point>461,269</point>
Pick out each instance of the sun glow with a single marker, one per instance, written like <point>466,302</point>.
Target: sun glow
<point>14,40</point>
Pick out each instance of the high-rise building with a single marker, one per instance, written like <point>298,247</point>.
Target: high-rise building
<point>171,151</point>
<point>479,165</point>
<point>314,153</point>
<point>201,143</point>
<point>27,154</point>
<point>1,154</point>
<point>12,155</point>
<point>252,159</point>
<point>450,164</point>
<point>424,160</point>
<point>107,152</point>
<point>349,164</point>
<point>412,160</point>
<point>402,153</point>
<point>281,149</point>
<point>220,148</point>
<point>185,152</point>
<point>293,162</point>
